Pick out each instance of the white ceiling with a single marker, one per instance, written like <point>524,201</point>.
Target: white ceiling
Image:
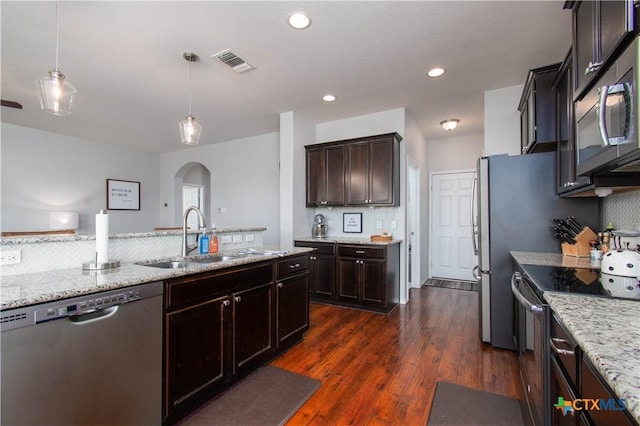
<point>125,59</point>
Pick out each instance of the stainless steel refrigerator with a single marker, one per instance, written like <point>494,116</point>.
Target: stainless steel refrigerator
<point>515,202</point>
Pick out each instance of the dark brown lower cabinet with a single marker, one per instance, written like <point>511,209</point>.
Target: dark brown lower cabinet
<point>593,388</point>
<point>252,325</point>
<point>322,269</point>
<point>201,328</point>
<point>365,276</point>
<point>362,280</point>
<point>293,307</point>
<point>221,325</point>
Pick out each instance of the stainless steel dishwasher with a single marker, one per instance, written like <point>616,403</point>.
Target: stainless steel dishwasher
<point>95,359</point>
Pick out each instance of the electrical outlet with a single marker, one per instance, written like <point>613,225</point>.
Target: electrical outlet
<point>249,238</point>
<point>237,238</point>
<point>226,239</point>
<point>10,257</point>
<point>378,224</point>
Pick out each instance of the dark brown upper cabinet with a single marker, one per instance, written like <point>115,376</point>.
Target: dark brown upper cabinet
<point>601,29</point>
<point>355,172</point>
<point>563,87</point>
<point>538,111</point>
<point>325,175</point>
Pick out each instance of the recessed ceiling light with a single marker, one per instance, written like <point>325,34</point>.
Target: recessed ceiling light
<point>299,20</point>
<point>328,98</point>
<point>435,72</point>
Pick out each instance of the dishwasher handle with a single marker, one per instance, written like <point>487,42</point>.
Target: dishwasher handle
<point>516,280</point>
<point>93,316</point>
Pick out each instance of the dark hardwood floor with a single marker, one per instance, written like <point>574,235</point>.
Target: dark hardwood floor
<point>383,369</point>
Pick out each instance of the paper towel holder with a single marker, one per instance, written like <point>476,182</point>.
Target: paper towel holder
<point>94,265</point>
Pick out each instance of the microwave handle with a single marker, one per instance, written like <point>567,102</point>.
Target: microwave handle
<point>605,91</point>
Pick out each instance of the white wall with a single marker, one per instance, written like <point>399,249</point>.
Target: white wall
<point>43,172</point>
<point>245,181</point>
<point>295,133</point>
<point>417,152</point>
<point>455,153</point>
<point>502,121</point>
<point>364,125</point>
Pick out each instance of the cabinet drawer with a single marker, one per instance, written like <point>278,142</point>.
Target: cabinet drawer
<point>188,290</point>
<point>362,251</point>
<point>292,265</point>
<point>319,248</point>
<point>565,351</point>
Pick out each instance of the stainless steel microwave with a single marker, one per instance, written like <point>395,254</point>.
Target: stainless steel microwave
<point>607,119</point>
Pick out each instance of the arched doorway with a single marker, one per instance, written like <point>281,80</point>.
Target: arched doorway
<point>192,183</point>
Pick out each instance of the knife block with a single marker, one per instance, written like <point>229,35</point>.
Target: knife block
<point>581,248</point>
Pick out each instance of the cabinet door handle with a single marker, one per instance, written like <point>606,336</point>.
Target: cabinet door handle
<point>560,351</point>
<point>592,67</point>
<point>280,285</point>
<point>237,298</point>
<point>297,265</point>
<point>361,251</point>
<point>225,303</point>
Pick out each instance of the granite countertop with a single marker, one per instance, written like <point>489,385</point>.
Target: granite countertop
<point>347,240</point>
<point>49,238</point>
<point>607,330</point>
<point>30,289</point>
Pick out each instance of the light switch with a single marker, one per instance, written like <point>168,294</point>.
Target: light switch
<point>378,224</point>
<point>393,224</point>
<point>226,239</point>
<point>237,238</point>
<point>249,238</point>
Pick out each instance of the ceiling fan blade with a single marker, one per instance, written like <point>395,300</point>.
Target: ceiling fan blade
<point>11,104</point>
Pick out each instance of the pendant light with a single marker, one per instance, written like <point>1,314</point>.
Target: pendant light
<point>189,128</point>
<point>56,94</point>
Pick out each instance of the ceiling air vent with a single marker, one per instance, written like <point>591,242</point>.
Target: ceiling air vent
<point>235,62</point>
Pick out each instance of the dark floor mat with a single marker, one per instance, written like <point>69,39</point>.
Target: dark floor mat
<point>268,396</point>
<point>455,405</point>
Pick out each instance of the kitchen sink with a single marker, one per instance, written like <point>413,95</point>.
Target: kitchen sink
<point>168,265</point>
<point>214,258</point>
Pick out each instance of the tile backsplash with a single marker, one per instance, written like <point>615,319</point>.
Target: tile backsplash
<point>370,217</point>
<point>623,210</point>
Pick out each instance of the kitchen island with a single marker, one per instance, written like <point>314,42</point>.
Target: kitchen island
<point>216,322</point>
<point>606,329</point>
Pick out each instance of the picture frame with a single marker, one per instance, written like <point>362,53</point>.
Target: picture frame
<point>123,194</point>
<point>352,223</point>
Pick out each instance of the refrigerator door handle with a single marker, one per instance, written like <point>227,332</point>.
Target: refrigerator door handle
<point>474,217</point>
<point>476,273</point>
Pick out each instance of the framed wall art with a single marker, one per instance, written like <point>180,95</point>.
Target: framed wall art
<point>352,223</point>
<point>123,195</point>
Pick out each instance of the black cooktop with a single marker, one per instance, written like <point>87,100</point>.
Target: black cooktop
<point>581,281</point>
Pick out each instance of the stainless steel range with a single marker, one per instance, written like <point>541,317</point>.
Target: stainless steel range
<point>532,321</point>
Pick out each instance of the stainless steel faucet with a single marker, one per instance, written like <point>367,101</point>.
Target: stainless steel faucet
<point>186,248</point>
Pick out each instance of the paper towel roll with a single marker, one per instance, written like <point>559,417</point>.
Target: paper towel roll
<point>102,237</point>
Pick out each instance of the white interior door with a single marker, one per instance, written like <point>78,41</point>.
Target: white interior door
<point>451,248</point>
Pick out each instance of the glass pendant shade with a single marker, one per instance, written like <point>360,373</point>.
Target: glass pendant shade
<point>190,131</point>
<point>55,94</point>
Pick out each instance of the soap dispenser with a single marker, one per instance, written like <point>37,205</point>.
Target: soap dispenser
<point>204,242</point>
<point>213,244</point>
